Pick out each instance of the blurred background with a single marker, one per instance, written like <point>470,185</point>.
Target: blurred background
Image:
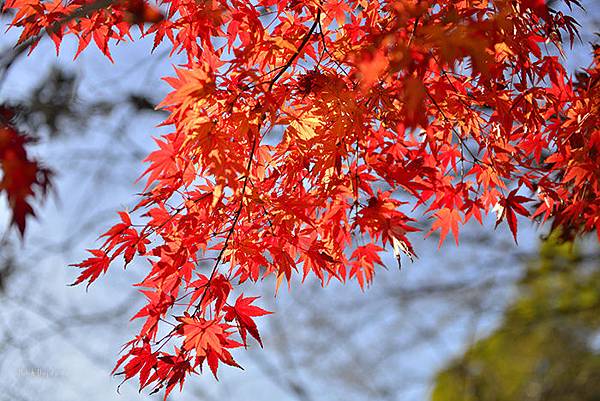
<point>484,321</point>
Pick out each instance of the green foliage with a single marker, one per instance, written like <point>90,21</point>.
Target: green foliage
<point>543,350</point>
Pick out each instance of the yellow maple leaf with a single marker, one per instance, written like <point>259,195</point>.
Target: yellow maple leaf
<point>305,127</point>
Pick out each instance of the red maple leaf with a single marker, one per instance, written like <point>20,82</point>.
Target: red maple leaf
<point>92,267</point>
<point>242,312</point>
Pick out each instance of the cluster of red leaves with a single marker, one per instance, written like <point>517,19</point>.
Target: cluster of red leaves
<point>22,177</point>
<point>101,20</point>
<point>574,202</point>
<point>301,128</point>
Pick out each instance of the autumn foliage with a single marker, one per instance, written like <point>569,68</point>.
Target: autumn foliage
<point>308,136</point>
<point>23,177</point>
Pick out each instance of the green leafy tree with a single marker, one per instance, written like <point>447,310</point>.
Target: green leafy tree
<point>544,349</point>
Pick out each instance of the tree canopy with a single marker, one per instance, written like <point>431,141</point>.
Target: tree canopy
<point>544,347</point>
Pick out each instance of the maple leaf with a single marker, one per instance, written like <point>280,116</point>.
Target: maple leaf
<point>141,361</point>
<point>92,266</point>
<point>21,176</point>
<point>508,206</point>
<point>162,162</point>
<point>306,127</point>
<point>209,339</point>
<point>211,290</point>
<point>363,260</point>
<point>170,371</point>
<point>446,219</point>
<point>242,312</point>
